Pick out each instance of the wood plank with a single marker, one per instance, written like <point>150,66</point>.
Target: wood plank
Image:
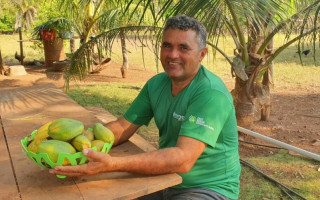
<point>25,109</point>
<point>22,111</point>
<point>8,187</point>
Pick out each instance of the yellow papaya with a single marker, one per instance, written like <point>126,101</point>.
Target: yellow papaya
<point>33,146</point>
<point>81,142</point>
<point>88,134</point>
<point>97,143</point>
<point>65,129</point>
<point>103,133</point>
<point>42,132</point>
<point>54,147</point>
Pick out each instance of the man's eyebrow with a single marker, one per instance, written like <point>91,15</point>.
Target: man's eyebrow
<point>165,42</point>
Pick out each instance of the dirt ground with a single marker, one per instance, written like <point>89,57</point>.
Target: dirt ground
<point>295,113</point>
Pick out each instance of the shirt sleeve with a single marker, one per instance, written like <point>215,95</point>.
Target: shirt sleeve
<point>140,111</point>
<point>206,115</point>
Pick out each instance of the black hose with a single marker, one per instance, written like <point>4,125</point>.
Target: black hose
<point>281,186</point>
<point>260,145</point>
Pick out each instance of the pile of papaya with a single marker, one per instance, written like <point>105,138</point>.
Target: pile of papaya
<point>68,136</point>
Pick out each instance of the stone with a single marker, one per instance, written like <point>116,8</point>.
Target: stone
<point>17,70</point>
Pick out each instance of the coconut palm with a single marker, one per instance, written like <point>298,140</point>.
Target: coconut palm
<point>92,17</point>
<point>25,16</point>
<point>252,24</point>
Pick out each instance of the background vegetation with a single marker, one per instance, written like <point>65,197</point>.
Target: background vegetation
<point>298,173</point>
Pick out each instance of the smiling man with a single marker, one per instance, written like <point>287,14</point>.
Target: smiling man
<point>194,113</point>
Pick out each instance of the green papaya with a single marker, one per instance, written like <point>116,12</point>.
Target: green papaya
<point>103,133</point>
<point>54,147</point>
<point>88,134</point>
<point>42,132</point>
<point>81,142</point>
<point>65,129</point>
<point>97,143</point>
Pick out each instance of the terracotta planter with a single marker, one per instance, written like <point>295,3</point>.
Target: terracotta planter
<point>53,51</point>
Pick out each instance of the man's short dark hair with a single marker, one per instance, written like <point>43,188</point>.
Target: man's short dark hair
<point>186,23</point>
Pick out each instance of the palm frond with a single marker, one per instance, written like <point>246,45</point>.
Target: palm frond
<point>81,62</point>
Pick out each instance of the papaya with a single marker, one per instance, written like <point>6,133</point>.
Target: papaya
<point>101,132</point>
<point>42,132</point>
<point>33,145</point>
<point>65,129</point>
<point>88,134</point>
<point>54,147</point>
<point>81,142</point>
<point>97,143</point>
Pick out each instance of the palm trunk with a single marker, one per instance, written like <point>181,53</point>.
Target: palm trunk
<point>21,46</point>
<point>267,81</point>
<point>243,104</point>
<point>252,97</point>
<point>72,45</point>
<point>125,63</point>
<point>1,65</point>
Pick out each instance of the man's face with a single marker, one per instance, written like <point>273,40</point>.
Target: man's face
<point>180,54</point>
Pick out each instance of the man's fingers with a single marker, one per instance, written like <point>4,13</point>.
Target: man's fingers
<point>93,155</point>
<point>97,161</point>
<point>79,170</point>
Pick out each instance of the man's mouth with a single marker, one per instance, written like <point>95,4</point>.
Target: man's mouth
<point>174,63</point>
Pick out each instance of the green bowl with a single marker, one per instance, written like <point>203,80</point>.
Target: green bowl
<point>43,160</point>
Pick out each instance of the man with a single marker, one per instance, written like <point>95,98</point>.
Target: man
<point>196,119</point>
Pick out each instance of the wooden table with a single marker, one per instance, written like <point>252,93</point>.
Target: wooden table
<point>23,110</point>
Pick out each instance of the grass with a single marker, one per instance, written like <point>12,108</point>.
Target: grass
<point>298,173</point>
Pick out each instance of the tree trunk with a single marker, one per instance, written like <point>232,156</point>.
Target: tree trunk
<point>243,104</point>
<point>267,81</point>
<point>1,65</point>
<point>21,46</point>
<point>252,97</point>
<point>125,61</point>
<point>72,45</point>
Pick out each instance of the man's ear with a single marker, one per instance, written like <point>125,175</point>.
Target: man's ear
<point>203,53</point>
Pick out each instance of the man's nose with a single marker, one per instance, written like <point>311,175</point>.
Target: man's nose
<point>173,53</point>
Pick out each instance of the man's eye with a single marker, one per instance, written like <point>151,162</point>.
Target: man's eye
<point>165,45</point>
<point>184,48</point>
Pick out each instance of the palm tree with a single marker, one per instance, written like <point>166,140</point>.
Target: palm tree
<point>92,17</point>
<point>252,24</point>
<point>25,16</point>
<point>80,63</point>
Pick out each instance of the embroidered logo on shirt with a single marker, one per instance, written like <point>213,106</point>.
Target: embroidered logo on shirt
<point>200,121</point>
<point>192,119</point>
<point>178,117</point>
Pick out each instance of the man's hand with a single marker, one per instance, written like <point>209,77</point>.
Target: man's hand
<point>98,163</point>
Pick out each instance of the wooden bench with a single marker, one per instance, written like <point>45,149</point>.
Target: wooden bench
<point>23,110</point>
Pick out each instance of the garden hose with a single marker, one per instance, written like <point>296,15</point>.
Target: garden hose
<point>283,188</point>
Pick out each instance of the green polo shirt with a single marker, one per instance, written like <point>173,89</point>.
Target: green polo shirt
<point>204,111</point>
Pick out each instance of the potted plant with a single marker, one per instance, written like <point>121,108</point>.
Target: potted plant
<point>57,27</point>
<point>50,33</point>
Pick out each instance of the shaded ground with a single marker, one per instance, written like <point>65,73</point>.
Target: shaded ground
<point>295,115</point>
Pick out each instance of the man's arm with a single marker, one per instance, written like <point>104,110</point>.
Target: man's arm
<point>122,130</point>
<point>179,159</point>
